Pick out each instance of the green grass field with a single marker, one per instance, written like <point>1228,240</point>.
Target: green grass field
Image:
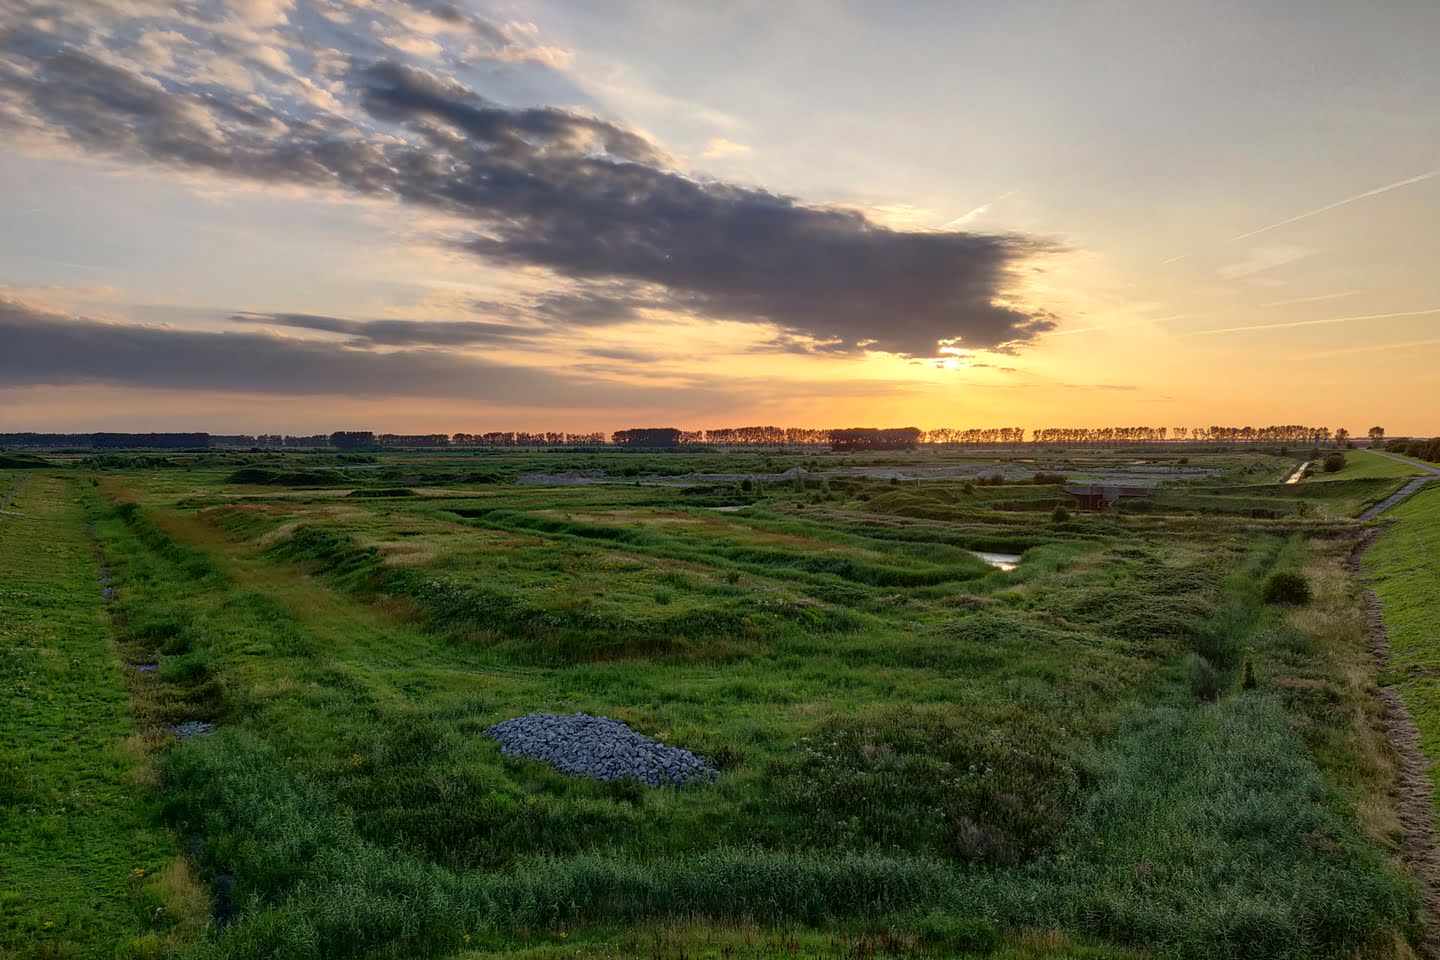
<point>1115,750</point>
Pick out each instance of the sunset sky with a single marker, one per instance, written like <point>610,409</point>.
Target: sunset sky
<point>433,216</point>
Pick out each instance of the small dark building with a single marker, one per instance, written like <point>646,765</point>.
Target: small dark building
<point>1100,497</point>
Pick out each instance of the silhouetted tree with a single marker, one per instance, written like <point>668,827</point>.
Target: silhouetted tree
<point>872,438</point>
<point>352,439</point>
<point>647,437</point>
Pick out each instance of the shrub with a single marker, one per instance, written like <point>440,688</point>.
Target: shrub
<point>192,667</point>
<point>1048,479</point>
<point>1204,678</point>
<point>1060,514</point>
<point>1334,462</point>
<point>1285,586</point>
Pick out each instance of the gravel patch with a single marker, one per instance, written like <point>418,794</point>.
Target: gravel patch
<point>192,728</point>
<point>598,747</point>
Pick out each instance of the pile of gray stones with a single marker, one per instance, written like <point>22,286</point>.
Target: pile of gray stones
<point>599,747</point>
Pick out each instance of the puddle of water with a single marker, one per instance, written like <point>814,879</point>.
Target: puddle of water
<point>1000,561</point>
<point>1299,474</point>
<point>733,508</point>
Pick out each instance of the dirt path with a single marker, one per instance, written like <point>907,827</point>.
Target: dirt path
<point>1414,787</point>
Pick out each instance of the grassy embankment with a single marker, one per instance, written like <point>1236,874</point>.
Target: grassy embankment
<point>1404,566</point>
<point>87,868</point>
<point>1363,465</point>
<point>913,746</point>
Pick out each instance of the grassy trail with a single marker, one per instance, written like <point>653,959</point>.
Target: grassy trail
<point>80,839</point>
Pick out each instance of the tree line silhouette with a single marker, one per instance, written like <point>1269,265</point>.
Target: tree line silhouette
<point>900,437</point>
<point>850,438</point>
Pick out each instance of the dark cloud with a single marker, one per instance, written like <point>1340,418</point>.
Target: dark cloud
<point>398,333</point>
<point>789,343</point>
<point>45,349</point>
<point>401,94</point>
<point>586,305</point>
<point>620,353</point>
<point>585,198</point>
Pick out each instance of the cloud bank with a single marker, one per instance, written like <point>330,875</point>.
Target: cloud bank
<point>42,348</point>
<point>367,100</point>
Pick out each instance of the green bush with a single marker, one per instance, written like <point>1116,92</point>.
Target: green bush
<point>1285,586</point>
<point>1334,462</point>
<point>1205,682</point>
<point>1060,514</point>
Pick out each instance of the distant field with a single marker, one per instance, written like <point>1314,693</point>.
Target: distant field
<point>919,754</point>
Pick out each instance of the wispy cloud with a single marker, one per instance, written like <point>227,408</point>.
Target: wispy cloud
<point>721,147</point>
<point>1313,323</point>
<point>1339,203</point>
<point>1316,299</point>
<point>1264,259</point>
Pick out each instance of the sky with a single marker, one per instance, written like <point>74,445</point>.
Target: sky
<point>295,216</point>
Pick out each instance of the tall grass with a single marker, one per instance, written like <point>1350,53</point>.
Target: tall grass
<point>1018,751</point>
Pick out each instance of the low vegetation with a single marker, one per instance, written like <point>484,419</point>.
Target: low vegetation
<point>1119,748</point>
<point>1285,586</point>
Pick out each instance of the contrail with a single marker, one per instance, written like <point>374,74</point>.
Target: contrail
<point>1339,203</point>
<point>1323,296</point>
<point>1312,323</point>
<point>1346,351</point>
<point>979,211</point>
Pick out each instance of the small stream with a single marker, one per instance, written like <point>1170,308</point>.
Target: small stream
<point>1000,561</point>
